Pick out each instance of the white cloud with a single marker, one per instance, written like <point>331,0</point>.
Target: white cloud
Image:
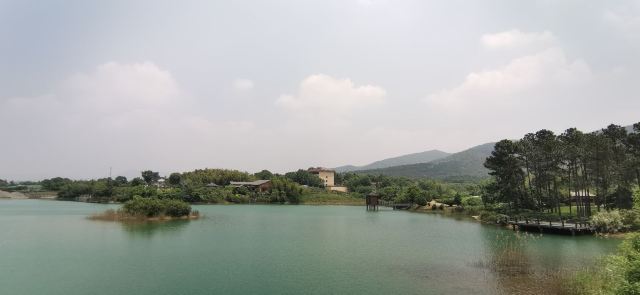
<point>122,115</point>
<point>243,84</point>
<point>517,39</point>
<point>626,20</point>
<point>323,94</point>
<point>538,90</point>
<point>518,79</point>
<point>122,87</point>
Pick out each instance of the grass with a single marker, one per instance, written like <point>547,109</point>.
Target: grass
<point>330,198</point>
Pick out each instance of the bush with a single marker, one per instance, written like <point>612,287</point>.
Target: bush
<point>607,222</point>
<point>631,219</point>
<point>152,207</point>
<point>472,201</point>
<point>421,200</point>
<point>492,217</point>
<point>457,200</point>
<point>448,201</point>
<point>238,199</point>
<point>624,268</point>
<point>176,208</point>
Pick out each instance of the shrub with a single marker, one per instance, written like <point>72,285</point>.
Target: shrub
<point>176,208</point>
<point>143,207</point>
<point>238,199</point>
<point>421,200</point>
<point>448,201</point>
<point>152,207</point>
<point>472,201</point>
<point>457,200</point>
<point>607,222</point>
<point>492,217</point>
<point>631,219</point>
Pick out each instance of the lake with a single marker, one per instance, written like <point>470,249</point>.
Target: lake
<point>49,247</point>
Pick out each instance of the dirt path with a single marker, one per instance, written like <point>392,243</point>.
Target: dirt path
<point>14,195</point>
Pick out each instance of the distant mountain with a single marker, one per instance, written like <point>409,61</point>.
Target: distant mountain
<point>415,158</point>
<point>465,165</point>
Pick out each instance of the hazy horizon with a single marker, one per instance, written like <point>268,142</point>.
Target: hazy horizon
<point>249,85</point>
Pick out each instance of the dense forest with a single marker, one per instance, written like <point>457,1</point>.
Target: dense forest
<point>573,172</point>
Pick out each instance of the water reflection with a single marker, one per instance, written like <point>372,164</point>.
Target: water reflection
<point>151,228</point>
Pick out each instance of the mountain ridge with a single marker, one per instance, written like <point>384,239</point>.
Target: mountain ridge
<point>461,166</point>
<point>408,159</point>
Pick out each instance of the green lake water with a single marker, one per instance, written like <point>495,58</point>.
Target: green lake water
<point>49,247</point>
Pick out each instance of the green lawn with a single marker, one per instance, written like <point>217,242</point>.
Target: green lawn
<point>328,198</point>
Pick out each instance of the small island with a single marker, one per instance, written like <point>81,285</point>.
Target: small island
<point>149,209</point>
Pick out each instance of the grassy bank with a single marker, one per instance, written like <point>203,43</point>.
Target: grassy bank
<point>330,198</point>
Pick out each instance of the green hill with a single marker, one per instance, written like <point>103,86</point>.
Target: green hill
<point>416,158</point>
<point>463,166</point>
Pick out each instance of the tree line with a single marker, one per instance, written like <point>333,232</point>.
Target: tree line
<point>212,186</point>
<point>545,172</point>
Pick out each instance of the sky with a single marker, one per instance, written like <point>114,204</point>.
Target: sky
<point>172,86</point>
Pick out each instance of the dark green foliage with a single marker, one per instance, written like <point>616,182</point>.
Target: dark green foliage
<point>150,177</point>
<point>3,183</point>
<point>207,194</point>
<point>623,198</point>
<point>120,180</point>
<point>55,184</point>
<point>538,171</point>
<point>264,174</point>
<point>169,193</point>
<point>506,168</point>
<point>471,202</point>
<point>75,189</point>
<point>137,181</point>
<point>176,208</point>
<point>287,188</point>
<point>304,177</point>
<point>413,193</point>
<point>175,179</point>
<point>152,207</point>
<point>238,199</point>
<point>457,199</point>
<point>355,181</point>
<point>201,177</point>
<point>421,200</point>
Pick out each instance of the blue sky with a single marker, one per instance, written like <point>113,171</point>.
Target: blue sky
<point>281,85</point>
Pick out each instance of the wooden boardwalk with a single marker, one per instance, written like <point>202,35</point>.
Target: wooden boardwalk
<point>557,227</point>
<point>395,205</point>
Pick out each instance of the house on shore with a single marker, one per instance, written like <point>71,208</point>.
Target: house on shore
<point>328,178</point>
<point>327,175</point>
<point>581,194</point>
<point>258,185</point>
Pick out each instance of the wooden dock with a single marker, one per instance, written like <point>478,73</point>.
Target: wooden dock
<point>396,205</point>
<point>373,201</point>
<point>556,227</point>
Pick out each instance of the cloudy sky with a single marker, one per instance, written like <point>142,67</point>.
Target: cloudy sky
<point>281,85</point>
